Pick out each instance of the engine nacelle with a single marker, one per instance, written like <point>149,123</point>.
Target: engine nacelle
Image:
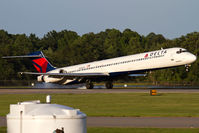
<point>40,78</point>
<point>48,79</point>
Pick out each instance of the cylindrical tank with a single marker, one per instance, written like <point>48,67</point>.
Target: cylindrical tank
<point>34,117</point>
<point>48,99</point>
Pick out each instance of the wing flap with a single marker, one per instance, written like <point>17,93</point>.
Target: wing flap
<point>137,75</point>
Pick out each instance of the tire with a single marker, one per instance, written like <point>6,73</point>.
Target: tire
<point>89,85</point>
<point>109,85</point>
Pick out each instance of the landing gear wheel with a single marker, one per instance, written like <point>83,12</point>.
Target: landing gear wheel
<point>89,85</point>
<point>109,85</point>
<point>187,67</point>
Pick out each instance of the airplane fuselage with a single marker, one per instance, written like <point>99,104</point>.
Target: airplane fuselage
<point>132,64</point>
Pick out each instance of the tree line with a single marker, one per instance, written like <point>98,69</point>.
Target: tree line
<point>67,48</point>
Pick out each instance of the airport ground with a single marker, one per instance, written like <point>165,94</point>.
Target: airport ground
<point>132,130</point>
<point>132,109</point>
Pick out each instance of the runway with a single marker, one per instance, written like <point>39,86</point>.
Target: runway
<point>137,122</point>
<point>87,91</point>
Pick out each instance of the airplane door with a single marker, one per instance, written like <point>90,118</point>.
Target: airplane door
<point>172,57</point>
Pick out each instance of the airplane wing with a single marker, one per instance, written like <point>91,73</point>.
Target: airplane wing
<point>137,75</point>
<point>69,75</point>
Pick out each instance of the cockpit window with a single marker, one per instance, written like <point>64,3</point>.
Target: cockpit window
<point>181,51</point>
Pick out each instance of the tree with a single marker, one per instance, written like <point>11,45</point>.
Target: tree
<point>66,48</point>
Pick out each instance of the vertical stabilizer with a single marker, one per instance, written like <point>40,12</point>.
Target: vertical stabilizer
<point>40,62</point>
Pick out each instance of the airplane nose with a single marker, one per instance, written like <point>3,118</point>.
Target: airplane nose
<point>193,58</point>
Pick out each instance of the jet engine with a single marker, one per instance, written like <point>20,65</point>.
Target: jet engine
<point>40,78</point>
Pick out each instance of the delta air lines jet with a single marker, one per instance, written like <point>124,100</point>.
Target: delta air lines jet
<point>109,69</point>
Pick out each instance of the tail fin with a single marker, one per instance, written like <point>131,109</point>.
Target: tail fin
<point>39,61</point>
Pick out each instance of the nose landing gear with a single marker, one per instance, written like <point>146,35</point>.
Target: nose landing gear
<point>187,67</point>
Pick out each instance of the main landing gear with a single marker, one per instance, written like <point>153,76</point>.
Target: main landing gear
<point>108,85</point>
<point>89,85</point>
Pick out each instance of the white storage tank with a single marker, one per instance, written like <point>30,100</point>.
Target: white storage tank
<point>35,117</point>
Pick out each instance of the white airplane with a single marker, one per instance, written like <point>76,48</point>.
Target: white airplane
<point>109,69</point>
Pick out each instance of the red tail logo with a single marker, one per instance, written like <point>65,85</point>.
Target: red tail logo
<point>40,64</point>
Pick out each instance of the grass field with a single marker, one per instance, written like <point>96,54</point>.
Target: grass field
<point>128,104</point>
<point>141,130</point>
<point>133,130</point>
<point>3,130</point>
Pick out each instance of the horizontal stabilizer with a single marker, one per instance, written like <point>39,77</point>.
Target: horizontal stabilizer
<point>22,56</point>
<point>38,60</point>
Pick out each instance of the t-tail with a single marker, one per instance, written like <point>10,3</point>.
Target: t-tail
<point>38,60</point>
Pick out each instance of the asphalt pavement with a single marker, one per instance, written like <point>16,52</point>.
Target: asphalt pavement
<point>137,122</point>
<point>86,91</point>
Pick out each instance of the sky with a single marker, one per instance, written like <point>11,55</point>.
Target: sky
<point>171,18</point>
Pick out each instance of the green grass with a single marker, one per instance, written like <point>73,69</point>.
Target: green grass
<point>126,104</point>
<point>141,130</point>
<point>133,130</point>
<point>3,130</point>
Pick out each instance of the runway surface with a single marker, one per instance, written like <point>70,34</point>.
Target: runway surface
<point>86,91</point>
<point>138,122</point>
